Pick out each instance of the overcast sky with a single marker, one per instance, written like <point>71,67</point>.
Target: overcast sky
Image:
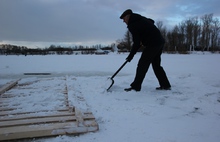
<point>39,23</point>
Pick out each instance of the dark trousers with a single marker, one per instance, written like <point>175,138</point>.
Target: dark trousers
<point>150,56</point>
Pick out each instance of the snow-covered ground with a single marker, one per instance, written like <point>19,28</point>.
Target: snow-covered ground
<point>189,112</point>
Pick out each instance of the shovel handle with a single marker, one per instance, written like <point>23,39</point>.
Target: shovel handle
<point>119,69</point>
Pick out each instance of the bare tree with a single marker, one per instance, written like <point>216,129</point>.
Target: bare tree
<point>126,42</point>
<point>214,33</point>
<point>206,31</point>
<point>162,28</point>
<point>172,39</point>
<point>192,32</point>
<point>196,31</point>
<point>189,32</point>
<point>181,35</point>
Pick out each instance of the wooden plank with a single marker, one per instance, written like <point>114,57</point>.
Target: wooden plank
<point>7,95</point>
<point>5,113</point>
<point>8,86</point>
<point>12,107</point>
<point>2,100</point>
<point>6,109</point>
<point>37,121</point>
<point>88,116</point>
<point>6,104</point>
<point>34,115</point>
<point>43,130</point>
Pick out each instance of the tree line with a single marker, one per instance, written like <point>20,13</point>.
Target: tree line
<point>192,34</point>
<point>7,49</point>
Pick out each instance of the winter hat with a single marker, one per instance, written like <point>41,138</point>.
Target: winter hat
<point>126,12</point>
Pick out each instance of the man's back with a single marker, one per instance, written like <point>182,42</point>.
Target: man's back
<point>145,30</point>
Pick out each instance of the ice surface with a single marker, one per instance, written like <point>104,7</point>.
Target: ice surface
<point>189,112</point>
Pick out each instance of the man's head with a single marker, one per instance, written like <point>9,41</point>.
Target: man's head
<point>126,15</point>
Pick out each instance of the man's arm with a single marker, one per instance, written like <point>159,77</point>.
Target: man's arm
<point>136,45</point>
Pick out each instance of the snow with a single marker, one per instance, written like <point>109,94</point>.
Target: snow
<point>189,112</point>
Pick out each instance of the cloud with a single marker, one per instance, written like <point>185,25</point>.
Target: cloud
<point>58,21</point>
<point>88,21</point>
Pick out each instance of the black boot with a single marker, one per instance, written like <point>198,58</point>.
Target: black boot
<point>130,89</point>
<point>163,88</point>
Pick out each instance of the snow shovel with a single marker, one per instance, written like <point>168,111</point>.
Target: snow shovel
<point>112,80</point>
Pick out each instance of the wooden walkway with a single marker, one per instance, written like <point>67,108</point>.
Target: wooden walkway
<point>17,122</point>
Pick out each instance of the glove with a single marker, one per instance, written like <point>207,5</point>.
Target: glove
<point>130,57</point>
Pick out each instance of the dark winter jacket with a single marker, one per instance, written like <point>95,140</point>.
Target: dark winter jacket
<point>144,32</point>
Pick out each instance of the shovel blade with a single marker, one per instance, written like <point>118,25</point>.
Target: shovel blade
<point>110,82</point>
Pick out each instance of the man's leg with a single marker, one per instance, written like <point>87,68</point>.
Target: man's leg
<point>159,71</point>
<point>142,68</point>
